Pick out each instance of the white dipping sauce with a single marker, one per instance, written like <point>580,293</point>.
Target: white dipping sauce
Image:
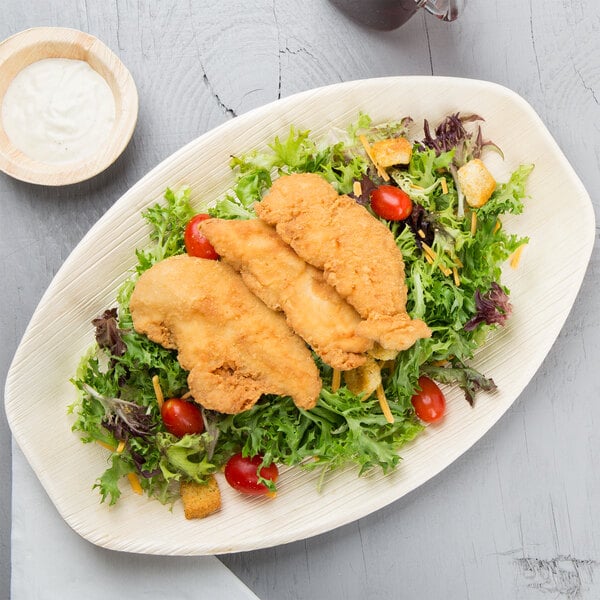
<point>58,110</point>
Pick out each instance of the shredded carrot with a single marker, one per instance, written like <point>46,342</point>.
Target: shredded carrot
<point>516,256</point>
<point>357,188</point>
<point>385,407</point>
<point>336,379</point>
<point>473,222</point>
<point>158,391</point>
<point>134,482</point>
<point>456,277</point>
<point>367,148</point>
<point>444,185</point>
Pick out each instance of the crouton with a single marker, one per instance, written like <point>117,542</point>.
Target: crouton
<point>200,500</point>
<point>476,183</point>
<point>393,151</point>
<point>364,379</point>
<point>381,353</point>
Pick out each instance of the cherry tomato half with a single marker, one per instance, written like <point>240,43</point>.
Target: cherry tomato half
<point>196,244</point>
<point>241,473</point>
<point>429,402</point>
<point>181,417</point>
<point>391,203</point>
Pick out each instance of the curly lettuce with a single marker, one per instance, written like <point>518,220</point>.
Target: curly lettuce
<point>453,276</point>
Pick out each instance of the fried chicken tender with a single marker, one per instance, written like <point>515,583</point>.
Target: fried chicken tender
<point>285,282</point>
<point>357,253</point>
<point>234,347</point>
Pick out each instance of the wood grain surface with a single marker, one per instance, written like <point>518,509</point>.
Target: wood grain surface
<point>516,516</point>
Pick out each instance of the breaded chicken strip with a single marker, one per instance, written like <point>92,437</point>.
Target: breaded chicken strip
<point>357,253</point>
<point>285,282</point>
<point>234,347</point>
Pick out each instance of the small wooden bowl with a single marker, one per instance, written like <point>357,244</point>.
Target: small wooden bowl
<point>31,45</point>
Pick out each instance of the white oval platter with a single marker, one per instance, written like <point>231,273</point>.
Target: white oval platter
<point>544,287</point>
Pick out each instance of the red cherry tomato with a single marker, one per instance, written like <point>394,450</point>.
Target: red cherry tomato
<point>429,402</point>
<point>181,417</point>
<point>241,472</point>
<point>196,244</point>
<point>391,203</point>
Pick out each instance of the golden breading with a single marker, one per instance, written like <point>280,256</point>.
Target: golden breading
<point>357,253</point>
<point>285,282</point>
<point>235,348</point>
<point>393,151</point>
<point>200,500</point>
<point>476,183</point>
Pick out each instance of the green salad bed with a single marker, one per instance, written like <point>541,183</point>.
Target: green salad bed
<point>453,263</point>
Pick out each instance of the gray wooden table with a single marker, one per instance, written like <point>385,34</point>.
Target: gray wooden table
<point>516,516</point>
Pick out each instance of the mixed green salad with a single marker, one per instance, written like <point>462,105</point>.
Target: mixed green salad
<point>453,264</point>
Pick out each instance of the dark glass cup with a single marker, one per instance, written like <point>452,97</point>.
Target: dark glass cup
<point>387,15</point>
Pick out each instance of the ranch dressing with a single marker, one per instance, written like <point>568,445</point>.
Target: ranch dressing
<point>58,110</point>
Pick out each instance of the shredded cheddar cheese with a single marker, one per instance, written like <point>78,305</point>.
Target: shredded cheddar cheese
<point>498,225</point>
<point>158,391</point>
<point>473,222</point>
<point>431,256</point>
<point>516,256</point>
<point>357,188</point>
<point>118,449</point>
<point>440,363</point>
<point>105,445</point>
<point>445,270</point>
<point>456,277</point>
<point>444,185</point>
<point>367,148</point>
<point>385,407</point>
<point>429,251</point>
<point>134,482</point>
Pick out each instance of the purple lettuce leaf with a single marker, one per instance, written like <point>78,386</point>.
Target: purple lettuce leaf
<point>493,308</point>
<point>108,334</point>
<point>452,133</point>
